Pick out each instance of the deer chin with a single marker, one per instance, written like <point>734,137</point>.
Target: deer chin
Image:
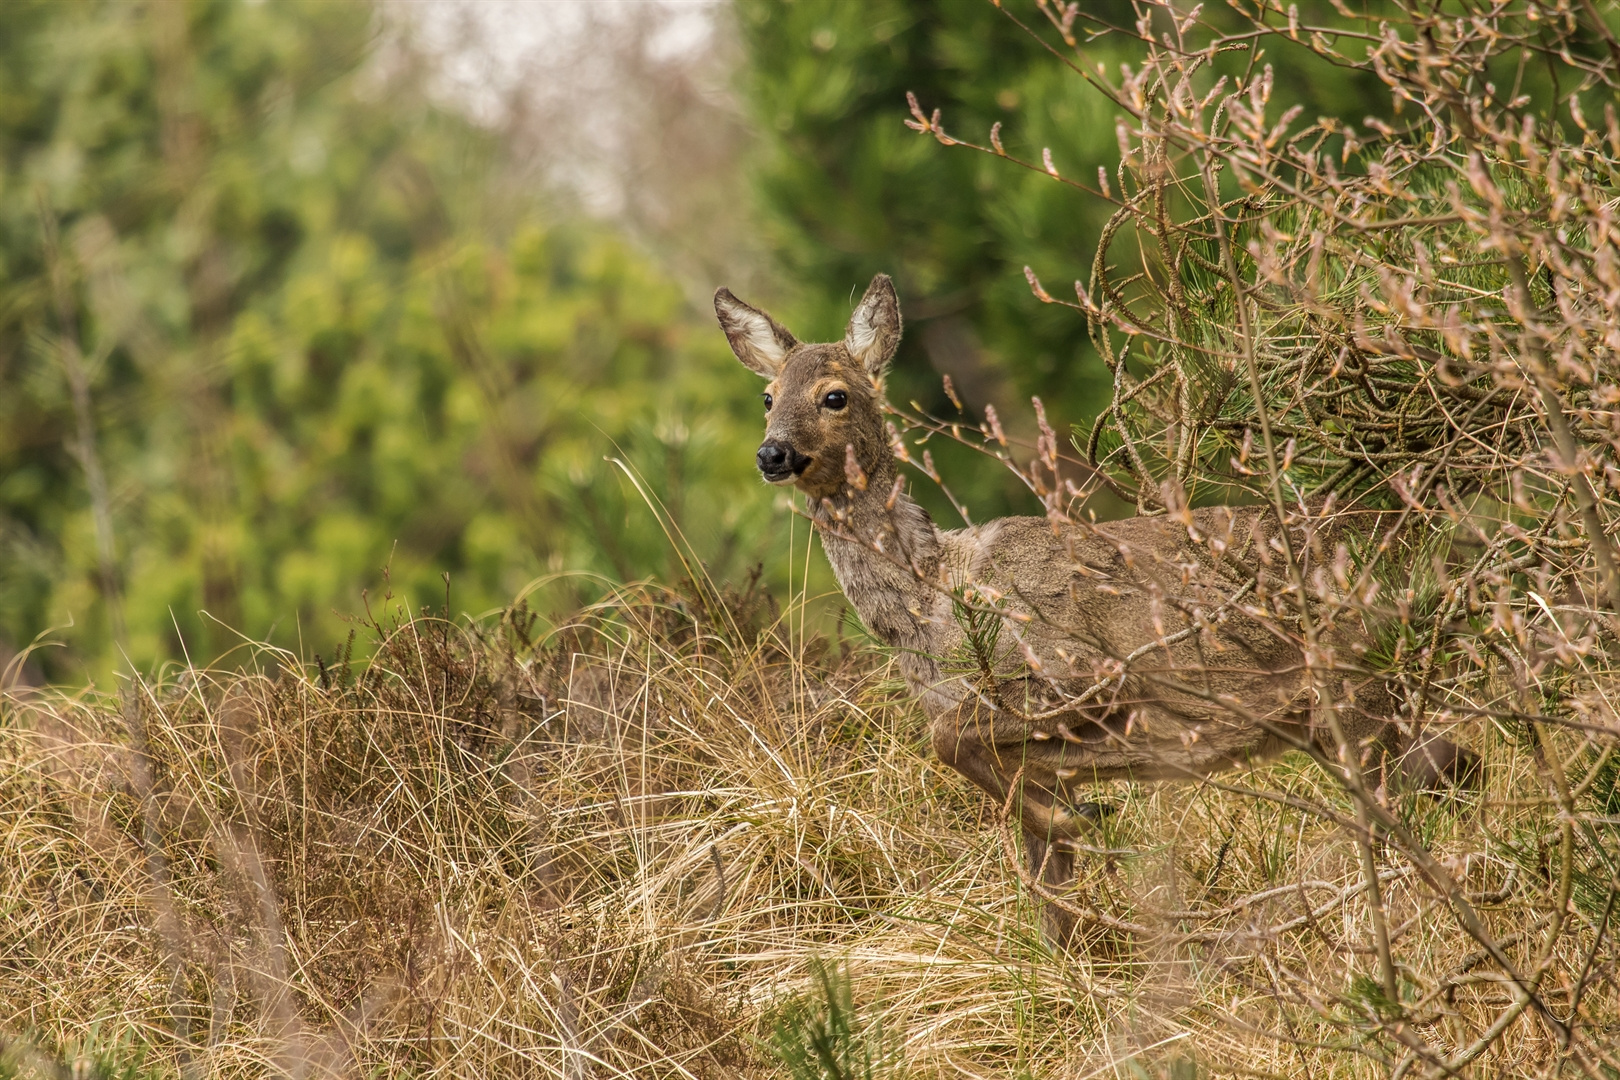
<point>818,484</point>
<point>793,474</point>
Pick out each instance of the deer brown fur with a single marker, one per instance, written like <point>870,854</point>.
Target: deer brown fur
<point>1055,656</point>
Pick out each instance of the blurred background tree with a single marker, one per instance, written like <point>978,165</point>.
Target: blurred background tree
<point>381,285</point>
<point>323,332</point>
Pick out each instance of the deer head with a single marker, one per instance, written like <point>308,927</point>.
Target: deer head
<point>823,402</point>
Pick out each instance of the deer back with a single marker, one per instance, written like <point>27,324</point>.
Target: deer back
<point>1157,626</point>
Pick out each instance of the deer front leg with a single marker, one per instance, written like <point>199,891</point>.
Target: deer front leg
<point>995,749</point>
<point>1052,866</point>
<point>991,746</point>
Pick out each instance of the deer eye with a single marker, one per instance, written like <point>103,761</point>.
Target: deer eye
<point>768,400</point>
<point>835,399</point>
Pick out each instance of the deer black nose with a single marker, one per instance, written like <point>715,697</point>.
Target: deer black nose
<point>779,464</point>
<point>772,458</point>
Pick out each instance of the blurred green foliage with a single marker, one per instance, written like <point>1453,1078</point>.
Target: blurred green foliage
<point>325,334</point>
<point>328,330</point>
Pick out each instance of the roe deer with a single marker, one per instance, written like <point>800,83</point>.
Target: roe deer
<point>1139,648</point>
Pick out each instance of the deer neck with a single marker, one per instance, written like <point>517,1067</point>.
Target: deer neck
<point>885,554</point>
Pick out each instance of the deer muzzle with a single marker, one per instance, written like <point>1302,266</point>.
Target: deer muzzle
<point>779,463</point>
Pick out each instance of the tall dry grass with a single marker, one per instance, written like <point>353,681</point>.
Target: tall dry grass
<point>675,837</point>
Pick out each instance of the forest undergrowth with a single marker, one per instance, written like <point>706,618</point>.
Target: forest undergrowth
<point>673,836</point>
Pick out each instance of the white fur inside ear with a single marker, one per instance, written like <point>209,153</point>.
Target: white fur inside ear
<point>874,327</point>
<point>761,339</point>
<point>862,334</point>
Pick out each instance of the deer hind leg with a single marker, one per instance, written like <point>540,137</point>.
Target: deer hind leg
<point>1431,762</point>
<point>1414,760</point>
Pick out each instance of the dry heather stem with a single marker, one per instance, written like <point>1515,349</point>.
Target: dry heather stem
<point>1407,320</point>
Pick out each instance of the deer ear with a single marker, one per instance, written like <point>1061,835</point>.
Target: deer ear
<point>874,329</point>
<point>759,341</point>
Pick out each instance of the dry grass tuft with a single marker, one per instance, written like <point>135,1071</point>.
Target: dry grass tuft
<point>659,841</point>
